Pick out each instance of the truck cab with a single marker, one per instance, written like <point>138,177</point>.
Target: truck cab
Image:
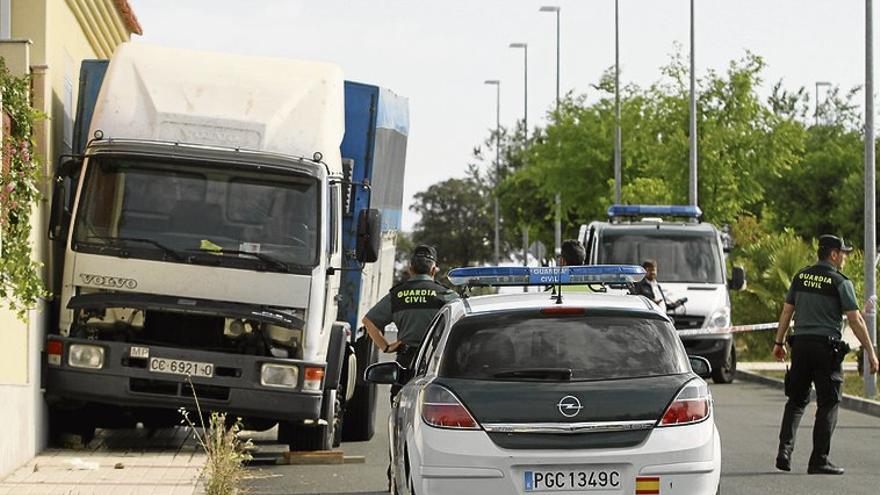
<point>691,256</point>
<point>205,229</point>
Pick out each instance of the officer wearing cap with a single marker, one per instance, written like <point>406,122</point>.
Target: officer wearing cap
<point>818,295</point>
<point>411,306</point>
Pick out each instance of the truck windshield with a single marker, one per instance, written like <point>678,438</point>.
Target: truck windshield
<point>693,258</point>
<point>153,209</point>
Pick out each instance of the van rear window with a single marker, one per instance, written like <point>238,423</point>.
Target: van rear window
<point>487,347</point>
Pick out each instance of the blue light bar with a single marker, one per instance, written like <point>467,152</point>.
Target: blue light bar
<point>565,275</point>
<point>685,211</point>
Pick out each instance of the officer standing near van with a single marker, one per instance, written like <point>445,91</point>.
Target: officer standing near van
<point>818,295</point>
<point>411,306</point>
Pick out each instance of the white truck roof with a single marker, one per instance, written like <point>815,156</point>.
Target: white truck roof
<point>291,107</point>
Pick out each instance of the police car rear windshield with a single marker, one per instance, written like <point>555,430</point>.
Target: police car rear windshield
<point>489,347</point>
<point>692,258</point>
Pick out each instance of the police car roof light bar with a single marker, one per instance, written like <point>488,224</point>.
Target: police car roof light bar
<point>685,211</point>
<point>495,276</point>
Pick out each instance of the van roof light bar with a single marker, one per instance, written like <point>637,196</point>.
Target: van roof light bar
<point>495,276</point>
<point>685,211</point>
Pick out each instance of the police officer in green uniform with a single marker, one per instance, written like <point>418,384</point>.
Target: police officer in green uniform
<point>410,306</point>
<point>818,296</point>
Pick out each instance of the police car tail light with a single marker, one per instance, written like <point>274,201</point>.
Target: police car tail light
<point>442,409</point>
<point>692,405</point>
<point>562,310</point>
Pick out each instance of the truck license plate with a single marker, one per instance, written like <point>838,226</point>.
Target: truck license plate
<point>181,367</point>
<point>581,480</point>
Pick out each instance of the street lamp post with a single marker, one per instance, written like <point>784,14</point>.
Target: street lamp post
<point>558,233</point>
<point>497,84</point>
<point>816,110</point>
<point>525,47</point>
<point>870,200</point>
<point>618,172</point>
<point>693,118</point>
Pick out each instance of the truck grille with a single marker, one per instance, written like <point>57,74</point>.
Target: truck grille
<point>177,389</point>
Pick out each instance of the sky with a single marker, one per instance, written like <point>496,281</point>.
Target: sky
<point>439,53</point>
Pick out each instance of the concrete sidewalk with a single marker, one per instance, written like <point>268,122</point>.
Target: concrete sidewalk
<point>121,462</point>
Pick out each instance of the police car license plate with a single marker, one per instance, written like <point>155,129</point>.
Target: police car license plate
<point>181,367</point>
<point>579,480</point>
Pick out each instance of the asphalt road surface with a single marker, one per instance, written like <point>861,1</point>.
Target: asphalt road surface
<point>747,416</point>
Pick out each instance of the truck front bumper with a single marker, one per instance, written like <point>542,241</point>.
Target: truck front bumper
<point>127,382</point>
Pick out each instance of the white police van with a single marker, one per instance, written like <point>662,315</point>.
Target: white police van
<point>690,255</point>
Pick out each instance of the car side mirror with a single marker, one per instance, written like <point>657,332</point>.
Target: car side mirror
<point>700,365</point>
<point>369,235</point>
<point>738,282</point>
<point>389,373</point>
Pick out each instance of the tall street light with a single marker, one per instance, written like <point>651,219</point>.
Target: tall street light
<point>497,84</point>
<point>558,236</point>
<point>693,119</point>
<point>870,200</point>
<point>816,110</point>
<point>525,48</point>
<point>618,173</point>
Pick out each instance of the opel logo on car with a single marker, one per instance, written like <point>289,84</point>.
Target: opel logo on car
<point>569,406</point>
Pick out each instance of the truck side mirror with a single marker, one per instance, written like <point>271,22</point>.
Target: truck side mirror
<point>738,282</point>
<point>59,220</point>
<point>369,235</point>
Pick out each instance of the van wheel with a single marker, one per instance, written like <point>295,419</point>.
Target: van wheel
<point>727,372</point>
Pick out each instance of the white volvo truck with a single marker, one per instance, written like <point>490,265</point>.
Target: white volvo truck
<point>691,256</point>
<point>216,243</point>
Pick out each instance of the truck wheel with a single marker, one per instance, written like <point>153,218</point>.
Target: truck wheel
<point>301,437</point>
<point>66,424</point>
<point>726,372</point>
<point>360,411</point>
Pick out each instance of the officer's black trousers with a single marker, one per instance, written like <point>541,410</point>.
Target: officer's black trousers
<point>812,361</point>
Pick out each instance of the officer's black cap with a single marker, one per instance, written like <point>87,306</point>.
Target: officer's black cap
<point>833,242</point>
<point>425,252</point>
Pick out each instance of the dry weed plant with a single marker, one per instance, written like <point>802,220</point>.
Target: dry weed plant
<point>226,453</point>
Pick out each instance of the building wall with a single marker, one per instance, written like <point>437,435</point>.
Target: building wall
<point>62,34</point>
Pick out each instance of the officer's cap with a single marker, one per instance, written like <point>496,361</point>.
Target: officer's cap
<point>833,242</point>
<point>424,251</point>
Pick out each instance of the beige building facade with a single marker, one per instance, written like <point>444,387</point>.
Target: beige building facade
<point>45,40</point>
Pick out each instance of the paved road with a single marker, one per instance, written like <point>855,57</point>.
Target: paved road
<point>747,417</point>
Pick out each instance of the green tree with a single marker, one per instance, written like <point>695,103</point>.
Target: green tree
<point>455,216</point>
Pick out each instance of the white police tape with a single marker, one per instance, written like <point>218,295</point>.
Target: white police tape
<point>734,329</point>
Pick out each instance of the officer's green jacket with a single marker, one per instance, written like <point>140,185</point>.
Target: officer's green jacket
<point>411,306</point>
<point>820,295</point>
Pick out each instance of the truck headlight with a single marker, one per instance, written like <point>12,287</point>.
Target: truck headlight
<point>85,356</point>
<point>719,318</point>
<point>279,375</point>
